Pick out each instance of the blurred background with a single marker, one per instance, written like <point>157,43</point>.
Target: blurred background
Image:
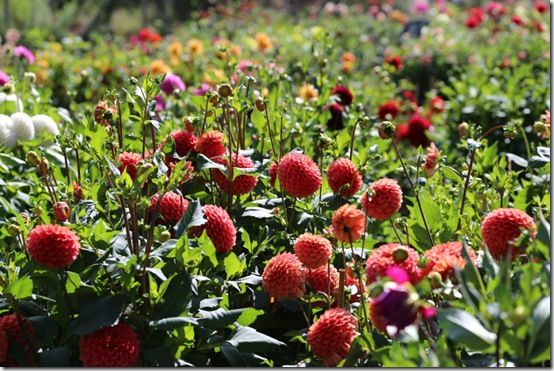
<point>81,17</point>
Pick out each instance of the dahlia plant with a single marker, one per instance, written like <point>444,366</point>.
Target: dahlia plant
<point>281,195</point>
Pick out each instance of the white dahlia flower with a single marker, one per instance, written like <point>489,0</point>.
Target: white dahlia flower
<point>8,137</point>
<point>44,123</point>
<point>23,126</point>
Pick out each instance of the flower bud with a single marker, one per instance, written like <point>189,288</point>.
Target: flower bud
<point>33,158</point>
<point>61,211</point>
<point>399,255</point>
<point>463,129</point>
<point>164,236</point>
<point>224,90</point>
<point>260,104</point>
<point>77,192</point>
<point>14,229</point>
<point>30,77</point>
<point>386,129</point>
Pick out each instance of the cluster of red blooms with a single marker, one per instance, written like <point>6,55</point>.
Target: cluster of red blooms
<point>495,10</point>
<point>345,99</point>
<point>144,38</point>
<point>415,130</point>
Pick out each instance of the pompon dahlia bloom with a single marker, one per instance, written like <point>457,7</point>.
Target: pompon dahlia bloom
<point>348,223</point>
<point>4,78</point>
<point>23,126</point>
<point>343,173</point>
<point>10,325</point>
<point>211,144</point>
<point>272,173</point>
<point>395,306</point>
<point>345,95</point>
<point>331,336</point>
<point>129,161</point>
<point>317,279</point>
<point>501,227</point>
<point>8,136</point>
<point>284,277</point>
<point>447,257</point>
<point>115,346</point>
<point>22,52</point>
<point>395,61</point>
<point>541,6</point>
<point>431,165</point>
<point>389,110</point>
<point>336,122</point>
<point>53,246</point>
<point>385,199</point>
<point>390,255</point>
<point>298,175</point>
<point>416,131</point>
<point>241,184</point>
<point>172,83</point>
<point>495,9</point>
<point>185,141</point>
<point>313,250</point>
<point>171,207</point>
<point>219,228</point>
<point>45,124</point>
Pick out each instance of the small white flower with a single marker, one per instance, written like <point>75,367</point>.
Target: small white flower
<point>8,137</point>
<point>23,126</point>
<point>44,123</point>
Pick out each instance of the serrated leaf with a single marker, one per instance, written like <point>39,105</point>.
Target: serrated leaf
<point>21,288</point>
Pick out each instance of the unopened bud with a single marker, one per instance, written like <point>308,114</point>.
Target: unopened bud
<point>30,77</point>
<point>61,211</point>
<point>260,104</point>
<point>399,255</point>
<point>164,236</point>
<point>14,229</point>
<point>33,158</point>
<point>224,90</point>
<point>463,130</point>
<point>386,129</point>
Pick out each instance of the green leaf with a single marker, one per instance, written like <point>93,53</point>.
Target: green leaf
<point>173,323</point>
<point>240,359</point>
<point>97,313</point>
<point>463,328</point>
<point>233,265</point>
<point>21,288</point>
<point>73,282</point>
<point>247,339</point>
<point>219,318</point>
<point>540,333</point>
<point>193,217</point>
<point>249,316</point>
<point>176,298</point>
<point>451,173</point>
